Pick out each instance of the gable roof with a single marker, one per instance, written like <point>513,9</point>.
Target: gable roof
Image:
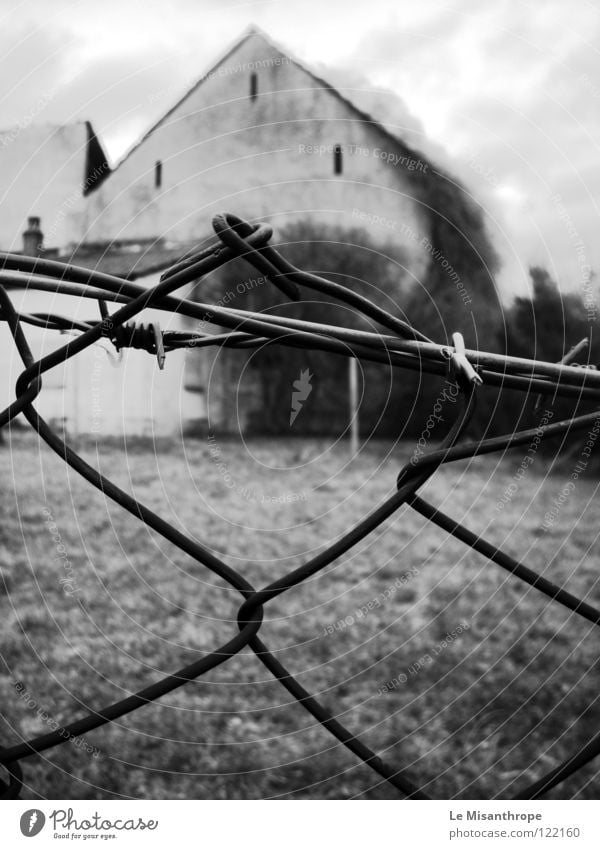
<point>251,32</point>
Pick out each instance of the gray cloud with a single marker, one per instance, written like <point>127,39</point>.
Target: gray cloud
<point>513,91</point>
<point>33,63</point>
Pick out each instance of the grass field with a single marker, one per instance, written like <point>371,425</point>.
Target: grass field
<point>513,691</point>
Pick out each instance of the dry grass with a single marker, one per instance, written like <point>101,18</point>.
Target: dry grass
<point>506,700</point>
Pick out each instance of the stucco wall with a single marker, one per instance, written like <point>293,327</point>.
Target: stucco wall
<point>91,392</point>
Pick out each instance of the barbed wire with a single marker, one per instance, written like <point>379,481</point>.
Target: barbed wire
<point>398,345</point>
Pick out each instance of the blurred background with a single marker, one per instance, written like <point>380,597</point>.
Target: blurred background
<point>440,160</point>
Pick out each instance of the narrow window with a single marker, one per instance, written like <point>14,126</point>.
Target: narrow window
<point>337,159</point>
<point>158,174</point>
<point>253,86</point>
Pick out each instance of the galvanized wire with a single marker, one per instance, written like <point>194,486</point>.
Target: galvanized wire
<point>398,344</point>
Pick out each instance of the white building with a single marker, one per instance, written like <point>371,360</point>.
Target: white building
<point>262,136</point>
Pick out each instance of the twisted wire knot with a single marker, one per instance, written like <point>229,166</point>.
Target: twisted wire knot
<point>145,337</point>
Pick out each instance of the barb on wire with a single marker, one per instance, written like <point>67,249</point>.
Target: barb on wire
<point>398,344</point>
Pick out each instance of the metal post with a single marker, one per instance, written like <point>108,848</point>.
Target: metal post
<point>353,404</point>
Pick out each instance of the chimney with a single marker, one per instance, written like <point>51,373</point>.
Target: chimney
<point>33,238</point>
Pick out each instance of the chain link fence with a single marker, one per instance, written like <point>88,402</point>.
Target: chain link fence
<point>398,344</point>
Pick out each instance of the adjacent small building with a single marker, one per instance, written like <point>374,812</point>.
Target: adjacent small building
<point>48,171</point>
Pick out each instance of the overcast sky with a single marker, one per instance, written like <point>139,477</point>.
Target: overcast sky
<point>506,92</point>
